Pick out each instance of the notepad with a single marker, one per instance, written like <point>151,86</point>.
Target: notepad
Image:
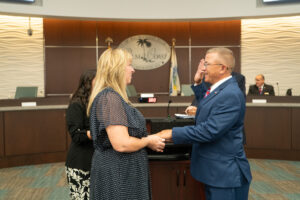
<point>184,116</point>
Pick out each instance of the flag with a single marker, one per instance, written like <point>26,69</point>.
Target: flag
<point>174,86</point>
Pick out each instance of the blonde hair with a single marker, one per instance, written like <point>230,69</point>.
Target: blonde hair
<point>111,73</point>
<point>226,56</point>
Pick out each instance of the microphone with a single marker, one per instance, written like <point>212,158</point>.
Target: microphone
<point>277,83</point>
<point>168,108</point>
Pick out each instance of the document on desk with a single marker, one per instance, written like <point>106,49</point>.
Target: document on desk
<point>184,116</point>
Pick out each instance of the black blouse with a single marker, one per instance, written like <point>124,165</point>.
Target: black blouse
<point>81,148</point>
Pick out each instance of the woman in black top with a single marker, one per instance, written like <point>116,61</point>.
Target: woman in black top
<point>78,163</point>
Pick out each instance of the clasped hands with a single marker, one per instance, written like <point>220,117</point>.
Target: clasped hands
<point>157,141</point>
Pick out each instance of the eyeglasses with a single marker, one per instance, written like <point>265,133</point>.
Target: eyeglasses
<point>207,64</point>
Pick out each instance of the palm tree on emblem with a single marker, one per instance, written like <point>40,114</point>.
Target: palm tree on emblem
<point>144,43</point>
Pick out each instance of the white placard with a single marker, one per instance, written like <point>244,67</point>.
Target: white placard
<point>27,104</point>
<point>259,100</point>
<point>147,95</point>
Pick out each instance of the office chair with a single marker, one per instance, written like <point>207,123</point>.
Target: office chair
<point>131,91</point>
<point>186,90</point>
<point>289,92</point>
<point>26,92</point>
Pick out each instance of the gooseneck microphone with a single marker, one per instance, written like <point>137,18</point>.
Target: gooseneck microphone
<point>168,108</point>
<point>277,83</point>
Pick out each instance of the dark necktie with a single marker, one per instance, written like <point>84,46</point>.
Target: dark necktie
<point>260,90</point>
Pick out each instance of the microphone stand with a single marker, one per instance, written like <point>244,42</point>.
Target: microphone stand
<point>277,83</point>
<point>168,109</point>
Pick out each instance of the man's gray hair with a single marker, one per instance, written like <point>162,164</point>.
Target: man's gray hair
<point>226,56</point>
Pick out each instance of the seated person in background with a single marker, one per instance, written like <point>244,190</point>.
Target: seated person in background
<point>260,88</point>
<point>200,87</point>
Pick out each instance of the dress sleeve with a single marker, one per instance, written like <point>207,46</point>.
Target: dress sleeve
<point>111,110</point>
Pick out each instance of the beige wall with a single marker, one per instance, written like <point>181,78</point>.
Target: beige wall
<point>271,47</point>
<point>21,56</point>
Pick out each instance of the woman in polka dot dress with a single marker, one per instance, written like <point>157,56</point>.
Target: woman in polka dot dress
<point>120,164</point>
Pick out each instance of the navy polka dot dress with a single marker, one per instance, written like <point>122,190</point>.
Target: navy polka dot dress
<point>116,175</point>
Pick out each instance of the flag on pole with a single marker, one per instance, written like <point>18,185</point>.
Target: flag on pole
<point>174,86</point>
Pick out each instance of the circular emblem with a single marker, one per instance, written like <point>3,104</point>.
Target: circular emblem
<point>148,52</point>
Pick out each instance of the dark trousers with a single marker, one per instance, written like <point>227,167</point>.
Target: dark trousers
<point>236,193</point>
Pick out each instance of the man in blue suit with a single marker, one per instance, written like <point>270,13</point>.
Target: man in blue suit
<point>218,157</point>
<point>200,87</point>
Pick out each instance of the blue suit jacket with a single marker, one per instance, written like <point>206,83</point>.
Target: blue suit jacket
<point>218,157</point>
<point>201,89</point>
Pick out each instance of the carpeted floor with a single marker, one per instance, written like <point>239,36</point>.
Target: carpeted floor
<point>272,180</point>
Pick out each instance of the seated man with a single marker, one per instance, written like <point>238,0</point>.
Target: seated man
<point>260,88</point>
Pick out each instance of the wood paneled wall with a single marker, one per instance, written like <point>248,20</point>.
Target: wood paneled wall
<point>296,129</point>
<point>260,122</point>
<point>36,132</point>
<point>1,135</point>
<point>72,46</point>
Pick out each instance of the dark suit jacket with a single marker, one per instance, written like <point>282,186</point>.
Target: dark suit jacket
<point>240,79</point>
<point>218,157</point>
<point>268,90</point>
